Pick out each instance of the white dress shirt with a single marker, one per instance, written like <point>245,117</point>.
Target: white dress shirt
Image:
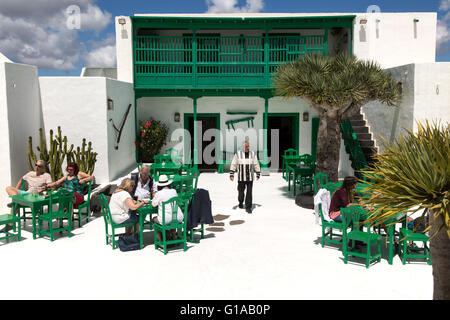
<point>143,191</point>
<point>162,196</point>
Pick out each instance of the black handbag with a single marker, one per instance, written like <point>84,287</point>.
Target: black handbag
<point>129,242</point>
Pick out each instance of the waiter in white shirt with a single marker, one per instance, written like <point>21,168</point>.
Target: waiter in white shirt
<point>245,163</point>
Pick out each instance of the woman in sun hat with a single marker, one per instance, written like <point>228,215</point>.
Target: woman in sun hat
<point>164,193</point>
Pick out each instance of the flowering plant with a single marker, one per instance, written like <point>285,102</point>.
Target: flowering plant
<point>151,137</point>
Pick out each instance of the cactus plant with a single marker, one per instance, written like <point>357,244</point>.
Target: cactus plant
<point>59,151</point>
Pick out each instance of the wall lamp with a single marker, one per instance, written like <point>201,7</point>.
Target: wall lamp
<point>122,21</point>
<point>110,104</point>
<point>176,117</point>
<point>363,21</point>
<point>305,116</point>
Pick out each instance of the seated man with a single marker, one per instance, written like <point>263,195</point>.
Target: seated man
<point>144,187</point>
<point>37,180</point>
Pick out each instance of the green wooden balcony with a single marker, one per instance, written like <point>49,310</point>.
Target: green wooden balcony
<point>216,62</point>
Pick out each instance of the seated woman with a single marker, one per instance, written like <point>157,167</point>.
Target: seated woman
<point>121,203</point>
<point>164,193</point>
<point>342,198</point>
<point>73,182</point>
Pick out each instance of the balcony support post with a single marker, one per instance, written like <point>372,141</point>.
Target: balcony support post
<point>264,164</point>
<point>194,100</point>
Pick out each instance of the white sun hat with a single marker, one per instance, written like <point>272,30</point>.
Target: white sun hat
<point>163,181</point>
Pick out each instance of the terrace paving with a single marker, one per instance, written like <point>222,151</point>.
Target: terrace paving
<point>274,253</point>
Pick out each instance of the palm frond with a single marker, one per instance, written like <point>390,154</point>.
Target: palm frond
<point>413,174</point>
<point>336,81</point>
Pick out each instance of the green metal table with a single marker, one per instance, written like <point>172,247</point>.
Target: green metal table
<point>143,212</point>
<point>35,202</point>
<point>389,224</point>
<point>170,168</point>
<point>286,160</point>
<point>160,158</point>
<point>301,171</point>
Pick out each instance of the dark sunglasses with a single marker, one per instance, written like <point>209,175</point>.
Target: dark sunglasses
<point>38,165</point>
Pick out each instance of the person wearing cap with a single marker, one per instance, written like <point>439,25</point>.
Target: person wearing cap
<point>121,203</point>
<point>164,193</point>
<point>245,163</point>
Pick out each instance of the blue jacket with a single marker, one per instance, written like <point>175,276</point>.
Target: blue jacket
<point>199,210</point>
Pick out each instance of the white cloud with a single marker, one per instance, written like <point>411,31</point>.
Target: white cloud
<point>444,5</point>
<point>231,6</point>
<point>35,32</point>
<point>443,29</point>
<point>103,53</point>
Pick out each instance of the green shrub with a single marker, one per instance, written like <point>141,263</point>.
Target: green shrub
<point>152,136</point>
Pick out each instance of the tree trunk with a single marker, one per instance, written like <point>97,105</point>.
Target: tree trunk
<point>328,145</point>
<point>440,258</point>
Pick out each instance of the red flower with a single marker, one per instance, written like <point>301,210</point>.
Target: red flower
<point>136,143</point>
<point>146,125</point>
<point>143,134</point>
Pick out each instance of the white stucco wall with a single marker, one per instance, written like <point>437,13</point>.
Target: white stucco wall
<point>20,117</point>
<point>432,92</point>
<point>122,160</point>
<point>387,122</point>
<point>426,88</point>
<point>79,106</point>
<point>124,50</point>
<point>396,39</point>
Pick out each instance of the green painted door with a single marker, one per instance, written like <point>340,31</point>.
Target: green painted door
<point>207,150</point>
<point>288,134</point>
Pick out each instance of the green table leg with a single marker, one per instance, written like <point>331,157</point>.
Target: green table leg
<point>33,212</point>
<point>391,243</point>
<point>289,182</point>
<point>295,184</point>
<point>141,231</point>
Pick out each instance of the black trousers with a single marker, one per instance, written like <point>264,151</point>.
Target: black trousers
<point>248,196</point>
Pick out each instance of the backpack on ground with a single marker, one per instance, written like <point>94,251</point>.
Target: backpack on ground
<point>129,242</point>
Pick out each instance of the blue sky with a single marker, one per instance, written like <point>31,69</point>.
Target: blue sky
<point>60,52</point>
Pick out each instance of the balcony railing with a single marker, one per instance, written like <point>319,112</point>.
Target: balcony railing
<point>186,62</point>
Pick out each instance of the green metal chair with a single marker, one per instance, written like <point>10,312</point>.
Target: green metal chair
<point>287,152</point>
<point>174,203</point>
<point>327,235</point>
<point>195,173</point>
<point>83,209</point>
<point>320,179</point>
<point>332,187</point>
<point>411,251</point>
<point>307,181</point>
<point>327,230</point>
<point>59,209</point>
<point>354,214</point>
<point>26,211</point>
<point>111,237</point>
<point>7,219</point>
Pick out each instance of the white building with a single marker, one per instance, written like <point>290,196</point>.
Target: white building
<point>216,68</point>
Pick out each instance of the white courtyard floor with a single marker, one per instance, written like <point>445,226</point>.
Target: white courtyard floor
<point>274,254</point>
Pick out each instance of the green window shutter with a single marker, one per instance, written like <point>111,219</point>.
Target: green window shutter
<point>315,129</point>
